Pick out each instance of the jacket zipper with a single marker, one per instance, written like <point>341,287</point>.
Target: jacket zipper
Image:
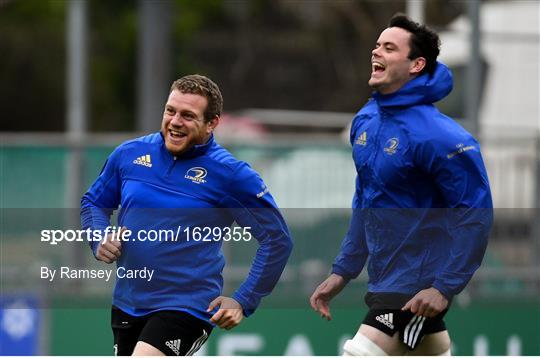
<point>375,152</point>
<point>171,167</point>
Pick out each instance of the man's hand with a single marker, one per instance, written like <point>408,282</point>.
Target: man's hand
<point>109,248</point>
<point>428,303</point>
<point>320,300</point>
<point>229,314</point>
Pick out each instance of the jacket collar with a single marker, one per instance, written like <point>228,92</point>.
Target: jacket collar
<point>424,89</point>
<point>193,152</point>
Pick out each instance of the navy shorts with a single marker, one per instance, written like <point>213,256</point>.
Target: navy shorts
<point>172,332</point>
<point>386,315</point>
<point>411,328</point>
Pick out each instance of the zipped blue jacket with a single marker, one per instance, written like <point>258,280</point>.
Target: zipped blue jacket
<point>422,208</point>
<point>203,189</point>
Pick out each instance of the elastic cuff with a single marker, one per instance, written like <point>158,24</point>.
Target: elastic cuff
<point>339,271</point>
<point>94,246</point>
<point>443,291</point>
<point>245,306</point>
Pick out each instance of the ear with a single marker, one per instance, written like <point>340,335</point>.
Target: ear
<point>417,65</point>
<point>212,124</point>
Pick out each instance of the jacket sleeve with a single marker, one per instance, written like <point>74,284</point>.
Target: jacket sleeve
<point>455,164</point>
<point>353,253</point>
<point>102,198</point>
<point>251,205</point>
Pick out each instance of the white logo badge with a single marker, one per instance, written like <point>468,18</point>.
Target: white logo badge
<point>174,345</point>
<point>362,139</point>
<point>196,175</point>
<point>391,146</point>
<point>144,160</point>
<point>264,191</point>
<point>386,319</point>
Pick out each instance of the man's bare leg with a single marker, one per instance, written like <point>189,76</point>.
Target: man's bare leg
<point>435,344</point>
<point>371,341</point>
<point>145,349</point>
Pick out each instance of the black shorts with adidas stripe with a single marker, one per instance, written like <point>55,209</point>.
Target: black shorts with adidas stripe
<point>386,315</point>
<point>174,333</point>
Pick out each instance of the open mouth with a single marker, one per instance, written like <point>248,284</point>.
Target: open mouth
<point>377,67</point>
<point>176,136</point>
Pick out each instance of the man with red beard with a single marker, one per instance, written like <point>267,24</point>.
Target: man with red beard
<point>180,181</point>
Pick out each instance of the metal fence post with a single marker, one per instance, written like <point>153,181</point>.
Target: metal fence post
<point>536,206</point>
<point>76,116</point>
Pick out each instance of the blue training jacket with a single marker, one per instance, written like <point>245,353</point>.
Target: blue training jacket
<point>422,209</point>
<point>206,187</point>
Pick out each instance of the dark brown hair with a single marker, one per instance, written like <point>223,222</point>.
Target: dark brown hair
<point>424,42</point>
<point>203,86</point>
